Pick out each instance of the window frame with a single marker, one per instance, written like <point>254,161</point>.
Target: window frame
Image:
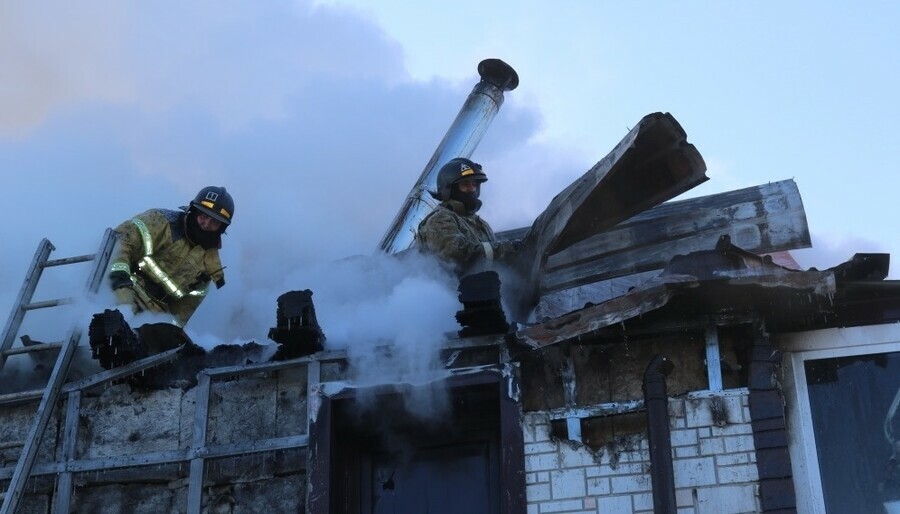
<point>819,344</point>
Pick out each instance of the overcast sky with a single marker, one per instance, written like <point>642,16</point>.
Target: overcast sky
<point>319,116</point>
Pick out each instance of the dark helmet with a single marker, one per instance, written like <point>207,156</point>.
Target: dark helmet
<point>215,202</point>
<point>454,171</point>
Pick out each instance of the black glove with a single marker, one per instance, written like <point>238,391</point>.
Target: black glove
<point>120,279</point>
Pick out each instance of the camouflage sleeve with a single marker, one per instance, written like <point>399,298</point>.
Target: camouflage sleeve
<point>441,236</point>
<point>506,250</point>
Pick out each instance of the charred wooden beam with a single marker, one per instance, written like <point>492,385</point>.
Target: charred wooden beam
<point>652,164</point>
<point>761,219</point>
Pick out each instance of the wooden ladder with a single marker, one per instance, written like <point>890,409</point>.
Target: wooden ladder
<point>51,392</point>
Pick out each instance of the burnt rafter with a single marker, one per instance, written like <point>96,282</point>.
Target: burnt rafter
<point>652,164</point>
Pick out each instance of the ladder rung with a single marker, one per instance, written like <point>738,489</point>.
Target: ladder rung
<point>38,347</point>
<point>69,260</point>
<point>48,303</point>
<point>20,396</point>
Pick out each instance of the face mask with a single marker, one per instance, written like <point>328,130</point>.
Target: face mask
<point>203,238</point>
<point>469,200</point>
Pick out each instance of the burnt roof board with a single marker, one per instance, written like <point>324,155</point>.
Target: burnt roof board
<point>762,219</point>
<point>652,164</point>
<point>716,281</point>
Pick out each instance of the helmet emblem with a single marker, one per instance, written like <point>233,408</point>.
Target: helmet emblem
<point>212,196</point>
<point>465,170</point>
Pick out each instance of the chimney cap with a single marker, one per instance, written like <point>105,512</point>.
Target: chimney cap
<point>499,74</point>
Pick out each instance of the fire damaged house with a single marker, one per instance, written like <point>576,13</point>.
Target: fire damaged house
<point>646,355</point>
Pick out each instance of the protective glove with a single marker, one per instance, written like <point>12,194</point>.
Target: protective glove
<point>119,279</point>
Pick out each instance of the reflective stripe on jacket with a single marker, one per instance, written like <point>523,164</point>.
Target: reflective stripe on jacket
<point>153,246</point>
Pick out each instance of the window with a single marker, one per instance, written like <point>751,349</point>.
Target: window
<point>842,392</point>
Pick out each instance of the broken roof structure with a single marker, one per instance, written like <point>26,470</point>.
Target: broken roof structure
<point>675,359</point>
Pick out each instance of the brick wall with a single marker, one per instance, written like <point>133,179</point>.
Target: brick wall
<point>714,463</point>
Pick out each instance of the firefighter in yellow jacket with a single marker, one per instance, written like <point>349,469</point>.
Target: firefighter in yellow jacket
<point>452,231</point>
<point>167,259</point>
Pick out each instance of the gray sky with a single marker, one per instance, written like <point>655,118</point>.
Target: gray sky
<point>318,117</point>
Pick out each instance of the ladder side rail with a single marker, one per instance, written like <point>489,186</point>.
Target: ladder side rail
<point>101,260</point>
<point>199,450</point>
<point>57,378</point>
<point>25,294</point>
<point>36,432</point>
<point>62,499</point>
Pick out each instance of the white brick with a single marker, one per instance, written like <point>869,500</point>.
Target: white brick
<point>537,492</point>
<point>541,447</point>
<point>535,427</point>
<point>684,437</point>
<point>727,500</point>
<point>734,409</point>
<point>684,497</point>
<point>568,483</point>
<point>687,451</point>
<point>543,476</point>
<point>574,457</point>
<point>676,408</point>
<point>730,459</point>
<point>704,432</point>
<point>635,456</point>
<point>541,462</point>
<point>694,472</point>
<point>598,486</point>
<point>614,505</point>
<point>734,429</point>
<point>629,484</point>
<point>530,478</point>
<point>712,446</point>
<point>643,501</point>
<point>689,510</point>
<point>697,413</point>
<point>739,443</point>
<point>562,506</point>
<point>735,474</point>
<point>625,468</point>
<point>533,508</point>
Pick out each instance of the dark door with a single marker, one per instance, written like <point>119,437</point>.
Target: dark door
<point>443,479</point>
<point>389,461</point>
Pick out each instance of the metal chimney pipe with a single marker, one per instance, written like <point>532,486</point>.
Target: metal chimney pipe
<point>460,141</point>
